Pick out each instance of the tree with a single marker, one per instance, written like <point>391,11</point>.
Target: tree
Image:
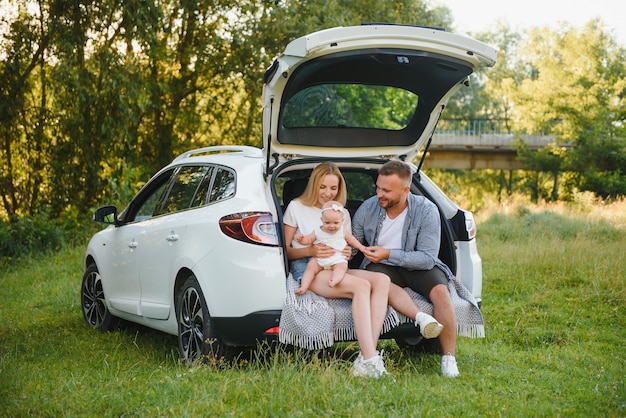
<point>501,81</point>
<point>98,94</point>
<point>110,84</point>
<point>575,89</point>
<point>23,112</point>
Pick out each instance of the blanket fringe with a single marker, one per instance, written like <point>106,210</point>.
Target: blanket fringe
<point>345,334</point>
<point>470,331</point>
<point>391,321</point>
<point>309,342</point>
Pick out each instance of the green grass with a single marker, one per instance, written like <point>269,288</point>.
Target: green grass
<point>554,300</point>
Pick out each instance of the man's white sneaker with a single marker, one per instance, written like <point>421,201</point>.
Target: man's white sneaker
<point>429,327</point>
<point>448,366</point>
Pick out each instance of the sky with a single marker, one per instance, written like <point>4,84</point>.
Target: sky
<point>480,15</point>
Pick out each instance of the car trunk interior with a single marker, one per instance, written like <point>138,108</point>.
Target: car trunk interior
<point>361,184</point>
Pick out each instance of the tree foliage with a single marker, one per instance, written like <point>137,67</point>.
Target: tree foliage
<point>98,91</point>
<point>569,83</point>
<point>97,95</point>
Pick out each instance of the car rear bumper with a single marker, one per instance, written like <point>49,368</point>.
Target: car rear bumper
<point>248,330</point>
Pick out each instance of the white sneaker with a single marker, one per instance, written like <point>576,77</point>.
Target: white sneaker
<point>358,368</point>
<point>378,364</point>
<point>429,327</point>
<point>372,367</point>
<point>448,366</point>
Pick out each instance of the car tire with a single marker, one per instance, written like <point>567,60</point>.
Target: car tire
<point>419,345</point>
<point>93,301</point>
<point>197,340</point>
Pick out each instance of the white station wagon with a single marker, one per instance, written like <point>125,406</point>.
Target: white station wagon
<point>199,252</point>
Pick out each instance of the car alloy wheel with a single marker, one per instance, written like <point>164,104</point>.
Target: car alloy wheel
<point>93,301</point>
<point>193,322</point>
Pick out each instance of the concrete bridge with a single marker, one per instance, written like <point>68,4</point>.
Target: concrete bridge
<point>478,144</point>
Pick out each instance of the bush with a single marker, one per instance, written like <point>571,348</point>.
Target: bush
<point>29,234</point>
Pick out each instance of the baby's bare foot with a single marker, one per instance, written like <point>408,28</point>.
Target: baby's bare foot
<point>333,283</point>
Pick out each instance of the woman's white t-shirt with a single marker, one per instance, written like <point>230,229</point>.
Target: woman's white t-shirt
<point>307,219</point>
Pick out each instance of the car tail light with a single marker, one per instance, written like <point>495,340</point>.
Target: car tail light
<point>272,331</point>
<point>470,225</point>
<point>251,227</point>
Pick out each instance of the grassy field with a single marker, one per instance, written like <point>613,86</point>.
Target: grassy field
<point>554,300</point>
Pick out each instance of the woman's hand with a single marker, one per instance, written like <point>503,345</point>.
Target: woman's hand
<point>322,251</point>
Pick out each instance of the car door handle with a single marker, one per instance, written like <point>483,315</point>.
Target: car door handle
<point>172,237</point>
<point>133,244</point>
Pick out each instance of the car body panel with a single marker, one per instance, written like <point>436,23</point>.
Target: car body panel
<point>116,255</point>
<point>392,36</point>
<point>428,62</point>
<point>470,267</point>
<point>161,244</point>
<point>139,261</point>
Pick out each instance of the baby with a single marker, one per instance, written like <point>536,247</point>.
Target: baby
<point>333,234</point>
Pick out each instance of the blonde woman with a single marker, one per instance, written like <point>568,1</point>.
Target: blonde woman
<point>368,290</point>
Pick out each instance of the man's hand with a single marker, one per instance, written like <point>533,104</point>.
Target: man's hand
<point>376,254</point>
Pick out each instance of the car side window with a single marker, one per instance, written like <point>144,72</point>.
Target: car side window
<point>201,197</point>
<point>187,187</point>
<point>183,189</point>
<point>223,185</point>
<point>144,204</point>
<point>149,205</point>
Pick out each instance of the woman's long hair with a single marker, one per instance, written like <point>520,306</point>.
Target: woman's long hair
<point>310,195</point>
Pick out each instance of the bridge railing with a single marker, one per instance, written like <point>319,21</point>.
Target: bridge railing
<point>483,133</point>
<point>474,126</point>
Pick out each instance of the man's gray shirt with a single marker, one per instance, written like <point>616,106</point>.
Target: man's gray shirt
<point>420,233</point>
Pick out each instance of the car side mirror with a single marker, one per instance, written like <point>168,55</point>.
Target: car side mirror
<point>106,214</point>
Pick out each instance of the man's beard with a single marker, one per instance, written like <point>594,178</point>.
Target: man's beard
<point>387,203</point>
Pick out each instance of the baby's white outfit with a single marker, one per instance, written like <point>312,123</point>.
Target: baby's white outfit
<point>334,240</point>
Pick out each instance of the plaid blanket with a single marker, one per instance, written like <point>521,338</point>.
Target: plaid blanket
<point>314,322</point>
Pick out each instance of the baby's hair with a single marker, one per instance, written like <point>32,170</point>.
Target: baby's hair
<point>332,205</point>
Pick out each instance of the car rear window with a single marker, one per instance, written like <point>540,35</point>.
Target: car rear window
<point>350,106</point>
